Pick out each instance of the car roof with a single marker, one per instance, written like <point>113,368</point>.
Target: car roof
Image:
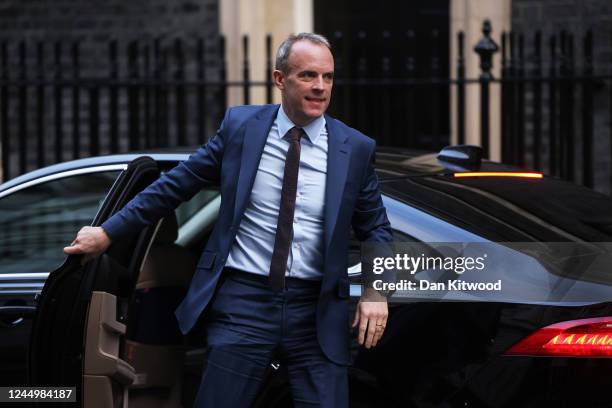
<point>169,156</point>
<point>391,162</point>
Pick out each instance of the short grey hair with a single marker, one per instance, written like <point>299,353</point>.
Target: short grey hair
<point>284,50</point>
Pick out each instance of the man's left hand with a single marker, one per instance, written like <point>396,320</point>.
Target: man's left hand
<point>371,317</point>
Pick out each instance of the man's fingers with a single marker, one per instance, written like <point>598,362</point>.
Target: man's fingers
<point>371,333</point>
<point>363,325</point>
<point>380,329</point>
<point>372,319</point>
<point>73,249</point>
<point>356,319</point>
<point>89,240</point>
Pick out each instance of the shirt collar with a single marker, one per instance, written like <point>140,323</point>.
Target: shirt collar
<point>312,130</point>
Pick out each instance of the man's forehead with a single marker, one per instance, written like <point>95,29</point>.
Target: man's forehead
<point>304,54</point>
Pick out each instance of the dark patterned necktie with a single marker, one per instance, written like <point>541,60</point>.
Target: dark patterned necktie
<point>284,227</point>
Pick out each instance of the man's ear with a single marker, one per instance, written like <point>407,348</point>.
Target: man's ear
<point>279,79</point>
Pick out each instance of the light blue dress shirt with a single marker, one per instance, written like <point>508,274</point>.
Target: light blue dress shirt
<point>252,249</point>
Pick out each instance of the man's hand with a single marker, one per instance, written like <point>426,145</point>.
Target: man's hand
<point>371,316</point>
<point>91,241</point>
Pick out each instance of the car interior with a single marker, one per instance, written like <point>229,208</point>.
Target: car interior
<point>145,361</point>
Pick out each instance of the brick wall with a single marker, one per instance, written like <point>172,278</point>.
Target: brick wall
<point>575,16</point>
<point>93,25</point>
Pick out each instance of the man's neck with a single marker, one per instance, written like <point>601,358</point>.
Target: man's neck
<point>297,122</point>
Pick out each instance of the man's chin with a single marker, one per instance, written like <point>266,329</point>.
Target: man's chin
<point>315,113</point>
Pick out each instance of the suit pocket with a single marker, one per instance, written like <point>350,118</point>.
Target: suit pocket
<point>343,288</point>
<point>207,260</point>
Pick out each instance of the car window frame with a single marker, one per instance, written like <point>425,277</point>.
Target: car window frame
<point>63,174</point>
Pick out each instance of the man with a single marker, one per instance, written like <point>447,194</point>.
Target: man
<point>293,180</point>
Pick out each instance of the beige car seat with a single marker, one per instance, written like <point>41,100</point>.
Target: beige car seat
<point>149,371</point>
<point>157,352</point>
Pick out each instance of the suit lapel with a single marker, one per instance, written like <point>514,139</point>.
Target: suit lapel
<point>338,157</point>
<point>255,135</point>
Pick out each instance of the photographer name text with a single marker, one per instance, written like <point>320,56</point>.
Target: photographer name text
<point>451,284</point>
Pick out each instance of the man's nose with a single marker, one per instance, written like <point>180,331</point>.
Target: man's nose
<point>318,83</point>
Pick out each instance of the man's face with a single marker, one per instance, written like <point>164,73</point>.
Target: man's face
<point>306,86</point>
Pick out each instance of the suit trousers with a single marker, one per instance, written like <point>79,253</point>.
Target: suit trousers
<point>248,324</point>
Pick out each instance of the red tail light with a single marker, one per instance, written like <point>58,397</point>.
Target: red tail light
<point>574,338</point>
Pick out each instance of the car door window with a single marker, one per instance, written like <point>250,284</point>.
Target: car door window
<point>38,221</point>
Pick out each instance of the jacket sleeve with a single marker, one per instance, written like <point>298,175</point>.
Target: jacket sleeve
<point>172,188</point>
<point>371,224</point>
<point>370,221</point>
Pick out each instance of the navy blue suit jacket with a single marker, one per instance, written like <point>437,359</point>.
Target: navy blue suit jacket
<point>230,160</point>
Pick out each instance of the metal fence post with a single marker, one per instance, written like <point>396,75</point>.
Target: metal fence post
<point>269,68</point>
<point>435,74</point>
<point>552,108</point>
<point>520,103</point>
<point>587,112</point>
<point>411,90</point>
<point>246,88</point>
<point>23,109</point>
<point>133,96</point>
<point>460,89</point>
<point>223,87</point>
<point>201,112</point>
<point>537,102</point>
<point>485,48</point>
<point>76,105</point>
<point>113,97</point>
<point>506,145</point>
<point>180,93</point>
<point>40,105</point>
<point>4,128</point>
<point>57,97</point>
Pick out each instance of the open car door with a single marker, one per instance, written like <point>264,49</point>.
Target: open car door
<point>77,332</point>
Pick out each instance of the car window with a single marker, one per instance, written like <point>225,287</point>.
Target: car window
<point>38,221</point>
<point>188,209</point>
<point>513,209</point>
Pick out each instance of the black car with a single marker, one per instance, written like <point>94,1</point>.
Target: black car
<point>107,327</point>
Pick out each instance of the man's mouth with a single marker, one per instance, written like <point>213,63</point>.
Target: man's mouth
<point>314,99</point>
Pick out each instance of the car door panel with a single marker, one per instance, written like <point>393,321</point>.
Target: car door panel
<point>75,311</point>
<point>37,218</point>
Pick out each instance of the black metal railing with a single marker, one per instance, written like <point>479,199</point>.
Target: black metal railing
<point>548,105</point>
<point>172,92</point>
<point>145,95</point>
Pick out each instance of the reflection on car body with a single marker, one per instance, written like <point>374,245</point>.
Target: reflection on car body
<point>449,353</point>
